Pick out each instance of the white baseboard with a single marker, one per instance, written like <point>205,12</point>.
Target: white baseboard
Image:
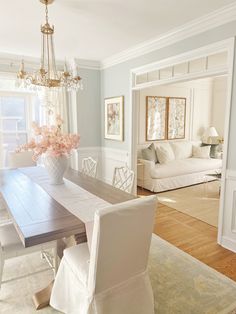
<point>227,238</point>
<point>228,243</point>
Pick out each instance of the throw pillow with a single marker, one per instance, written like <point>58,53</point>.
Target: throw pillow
<point>201,151</point>
<point>165,153</point>
<point>149,153</point>
<point>182,149</point>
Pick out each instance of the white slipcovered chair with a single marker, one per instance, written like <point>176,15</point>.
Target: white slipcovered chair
<point>21,159</point>
<point>11,246</point>
<point>123,179</point>
<point>89,167</point>
<point>112,277</point>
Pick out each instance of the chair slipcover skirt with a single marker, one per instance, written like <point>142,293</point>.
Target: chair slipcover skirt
<point>69,295</point>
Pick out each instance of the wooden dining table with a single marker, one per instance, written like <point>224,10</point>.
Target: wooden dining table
<point>37,216</point>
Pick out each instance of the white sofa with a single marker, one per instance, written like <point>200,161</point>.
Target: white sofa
<point>184,170</point>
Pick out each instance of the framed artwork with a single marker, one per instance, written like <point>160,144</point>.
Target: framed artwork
<point>176,118</point>
<point>156,118</point>
<point>114,118</point>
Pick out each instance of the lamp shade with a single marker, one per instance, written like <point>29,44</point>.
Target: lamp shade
<point>210,136</point>
<point>210,132</point>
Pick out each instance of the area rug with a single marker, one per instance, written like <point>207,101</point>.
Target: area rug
<point>181,284</point>
<point>199,201</point>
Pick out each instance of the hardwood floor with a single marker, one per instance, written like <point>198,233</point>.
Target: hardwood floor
<point>194,237</point>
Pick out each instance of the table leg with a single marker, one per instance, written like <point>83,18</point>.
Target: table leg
<point>41,298</point>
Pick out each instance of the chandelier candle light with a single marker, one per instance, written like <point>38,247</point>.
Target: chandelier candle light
<point>55,146</point>
<point>47,75</point>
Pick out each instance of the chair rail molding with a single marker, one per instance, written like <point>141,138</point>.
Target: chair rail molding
<point>209,21</point>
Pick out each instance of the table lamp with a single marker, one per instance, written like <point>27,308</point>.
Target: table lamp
<point>211,137</point>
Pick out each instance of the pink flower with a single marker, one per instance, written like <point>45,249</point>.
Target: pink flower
<point>51,140</point>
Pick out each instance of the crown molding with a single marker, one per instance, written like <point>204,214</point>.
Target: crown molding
<point>209,21</point>
<point>88,64</point>
<point>12,62</point>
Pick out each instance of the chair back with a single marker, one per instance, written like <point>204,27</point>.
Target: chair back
<point>123,179</point>
<point>89,167</point>
<point>21,159</point>
<point>120,243</point>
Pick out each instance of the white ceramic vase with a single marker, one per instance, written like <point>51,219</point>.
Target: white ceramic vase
<point>56,167</point>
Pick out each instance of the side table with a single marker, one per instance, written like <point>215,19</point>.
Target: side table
<point>140,167</point>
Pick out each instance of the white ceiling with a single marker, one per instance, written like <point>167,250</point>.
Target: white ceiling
<point>94,29</point>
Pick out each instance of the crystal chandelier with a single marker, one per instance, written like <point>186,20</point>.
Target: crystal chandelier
<point>47,75</point>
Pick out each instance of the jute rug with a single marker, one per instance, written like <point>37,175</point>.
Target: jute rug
<point>181,284</point>
<point>200,201</point>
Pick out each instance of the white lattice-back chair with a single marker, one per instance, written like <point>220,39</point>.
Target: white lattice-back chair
<point>21,159</point>
<point>89,167</point>
<point>123,179</point>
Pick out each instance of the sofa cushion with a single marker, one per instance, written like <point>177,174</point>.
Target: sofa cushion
<point>182,150</point>
<point>149,153</point>
<point>184,166</point>
<point>201,151</point>
<point>164,153</point>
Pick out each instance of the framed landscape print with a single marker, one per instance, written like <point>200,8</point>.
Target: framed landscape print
<point>156,118</point>
<point>114,118</point>
<point>176,118</point>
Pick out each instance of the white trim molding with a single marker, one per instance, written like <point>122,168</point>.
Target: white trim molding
<point>231,175</point>
<point>13,62</point>
<point>226,205</point>
<point>214,19</point>
<point>229,244</point>
<point>217,47</point>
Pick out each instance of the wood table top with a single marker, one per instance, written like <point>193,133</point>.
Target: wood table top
<point>39,218</point>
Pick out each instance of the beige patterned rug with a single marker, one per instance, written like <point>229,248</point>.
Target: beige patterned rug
<point>181,284</point>
<point>199,201</point>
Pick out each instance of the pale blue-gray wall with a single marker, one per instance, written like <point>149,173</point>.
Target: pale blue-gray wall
<point>115,81</point>
<point>89,108</point>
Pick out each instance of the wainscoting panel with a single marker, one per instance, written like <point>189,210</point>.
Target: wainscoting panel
<point>107,158</point>
<point>112,158</point>
<point>229,216</point>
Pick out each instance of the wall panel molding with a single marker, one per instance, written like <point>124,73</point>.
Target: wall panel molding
<point>107,159</point>
<point>112,158</point>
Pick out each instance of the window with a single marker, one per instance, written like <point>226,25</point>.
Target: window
<point>16,115</point>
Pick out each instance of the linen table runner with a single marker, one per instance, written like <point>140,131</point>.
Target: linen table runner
<point>75,199</point>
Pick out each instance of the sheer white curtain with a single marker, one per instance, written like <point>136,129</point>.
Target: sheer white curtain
<point>1,149</point>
